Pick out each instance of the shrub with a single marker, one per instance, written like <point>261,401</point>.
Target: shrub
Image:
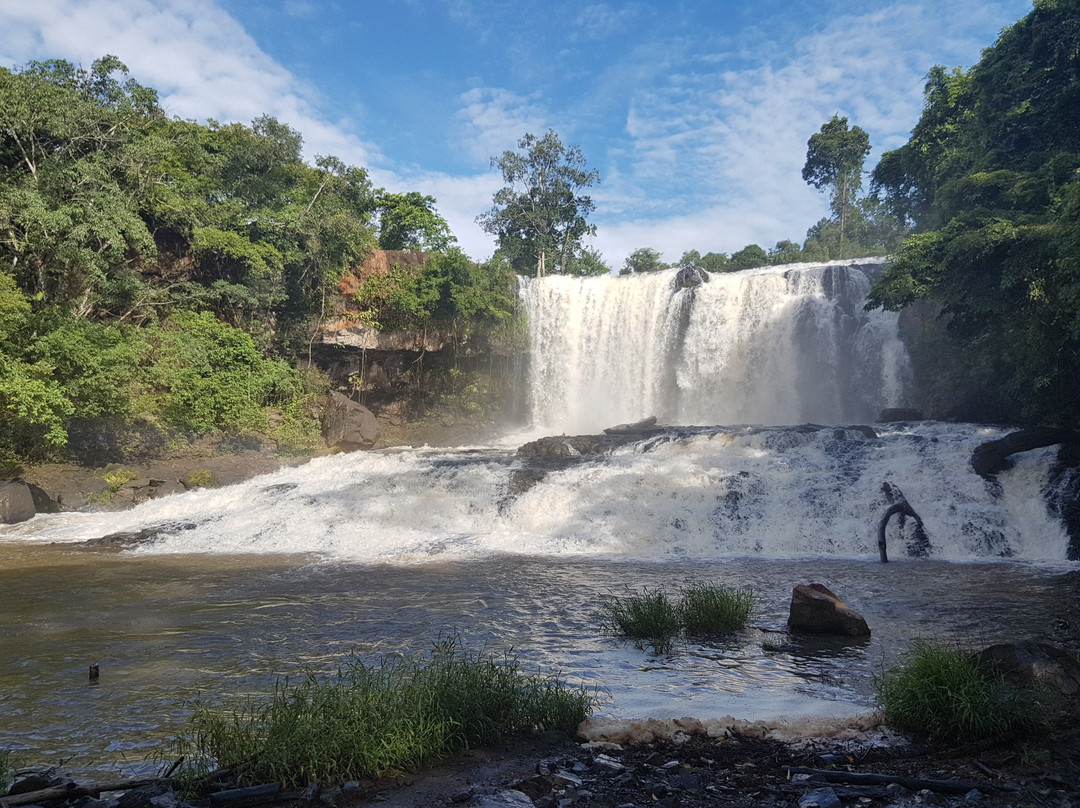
<point>201,478</point>
<point>118,478</point>
<point>369,720</point>
<point>646,616</point>
<point>941,693</point>
<point>711,609</point>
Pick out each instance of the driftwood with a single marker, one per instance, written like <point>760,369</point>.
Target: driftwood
<point>900,506</point>
<point>72,790</point>
<point>249,795</point>
<point>910,783</point>
<point>989,458</point>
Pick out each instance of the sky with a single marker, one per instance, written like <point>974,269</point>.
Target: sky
<point>696,113</point>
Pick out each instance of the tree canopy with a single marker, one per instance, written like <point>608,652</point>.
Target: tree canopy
<point>991,181</point>
<point>834,161</point>
<point>539,216</point>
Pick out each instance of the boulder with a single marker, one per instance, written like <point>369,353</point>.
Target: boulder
<point>689,277</point>
<point>16,502</point>
<point>816,610</point>
<point>1032,662</point>
<point>891,414</point>
<point>348,425</point>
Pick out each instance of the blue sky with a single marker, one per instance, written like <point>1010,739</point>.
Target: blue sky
<point>695,113</point>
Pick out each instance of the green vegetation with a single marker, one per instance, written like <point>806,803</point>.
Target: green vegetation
<point>7,771</point>
<point>941,693</point>
<point>539,215</point>
<point>651,616</point>
<point>990,180</point>
<point>714,610</point>
<point>646,616</point>
<point>163,272</point>
<point>370,720</point>
<point>201,478</point>
<point>118,478</point>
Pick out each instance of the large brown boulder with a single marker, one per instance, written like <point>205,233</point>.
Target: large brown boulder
<point>348,425</point>
<point>816,610</point>
<point>16,502</point>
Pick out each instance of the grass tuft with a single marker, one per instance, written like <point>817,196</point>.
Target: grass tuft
<point>941,693</point>
<point>650,616</point>
<point>646,616</point>
<point>715,610</point>
<point>369,720</point>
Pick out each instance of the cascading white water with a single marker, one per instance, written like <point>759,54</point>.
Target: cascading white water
<point>779,345</point>
<point>774,492</point>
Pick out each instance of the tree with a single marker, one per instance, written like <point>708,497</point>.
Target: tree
<point>834,161</point>
<point>587,262</point>
<point>540,213</point>
<point>643,259</point>
<point>409,221</point>
<point>991,177</point>
<point>752,255</point>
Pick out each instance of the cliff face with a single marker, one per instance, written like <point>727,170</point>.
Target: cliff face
<point>405,373</point>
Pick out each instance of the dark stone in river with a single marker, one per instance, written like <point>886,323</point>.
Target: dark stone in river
<point>816,610</point>
<point>348,425</point>
<point>16,502</point>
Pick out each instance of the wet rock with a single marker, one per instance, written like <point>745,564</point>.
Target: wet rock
<point>348,425</point>
<point>16,502</point>
<point>890,414</point>
<point>819,798</point>
<point>816,610</point>
<point>1033,662</point>
<point>158,795</point>
<point>36,782</point>
<point>504,798</point>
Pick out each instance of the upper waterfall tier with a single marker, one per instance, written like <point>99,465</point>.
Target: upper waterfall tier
<point>779,345</point>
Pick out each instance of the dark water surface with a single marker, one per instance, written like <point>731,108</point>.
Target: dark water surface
<point>169,628</point>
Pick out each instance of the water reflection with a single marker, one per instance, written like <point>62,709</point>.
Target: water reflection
<point>165,629</point>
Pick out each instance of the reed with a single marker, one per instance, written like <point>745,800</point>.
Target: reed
<point>369,720</point>
<point>940,692</point>
<point>711,609</point>
<point>648,616</point>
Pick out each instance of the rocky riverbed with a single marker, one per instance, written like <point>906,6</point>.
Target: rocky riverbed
<point>743,769</point>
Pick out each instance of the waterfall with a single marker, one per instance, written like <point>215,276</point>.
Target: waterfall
<point>778,345</point>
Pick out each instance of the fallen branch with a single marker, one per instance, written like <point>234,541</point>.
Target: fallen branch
<point>910,783</point>
<point>71,790</point>
<point>901,507</point>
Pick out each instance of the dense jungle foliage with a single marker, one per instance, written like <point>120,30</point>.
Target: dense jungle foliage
<point>990,180</point>
<point>173,272</point>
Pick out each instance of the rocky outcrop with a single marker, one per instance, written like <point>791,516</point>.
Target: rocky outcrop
<point>892,414</point>
<point>349,426</point>
<point>1035,663</point>
<point>690,277</point>
<point>991,457</point>
<point>16,502</point>
<point>816,610</point>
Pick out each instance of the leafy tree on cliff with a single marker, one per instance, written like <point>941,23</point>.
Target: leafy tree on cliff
<point>991,178</point>
<point>409,221</point>
<point>539,216</point>
<point>834,161</point>
<point>643,259</point>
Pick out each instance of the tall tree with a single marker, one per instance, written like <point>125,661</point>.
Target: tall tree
<point>834,161</point>
<point>991,177</point>
<point>539,216</point>
<point>409,221</point>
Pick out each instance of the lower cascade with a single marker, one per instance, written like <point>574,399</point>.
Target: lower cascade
<point>777,345</point>
<point>673,493</point>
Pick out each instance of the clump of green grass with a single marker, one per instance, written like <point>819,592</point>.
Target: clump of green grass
<point>715,610</point>
<point>651,616</point>
<point>7,771</point>
<point>648,616</point>
<point>942,693</point>
<point>369,720</point>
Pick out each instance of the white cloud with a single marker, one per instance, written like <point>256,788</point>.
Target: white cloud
<point>201,61</point>
<point>493,119</point>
